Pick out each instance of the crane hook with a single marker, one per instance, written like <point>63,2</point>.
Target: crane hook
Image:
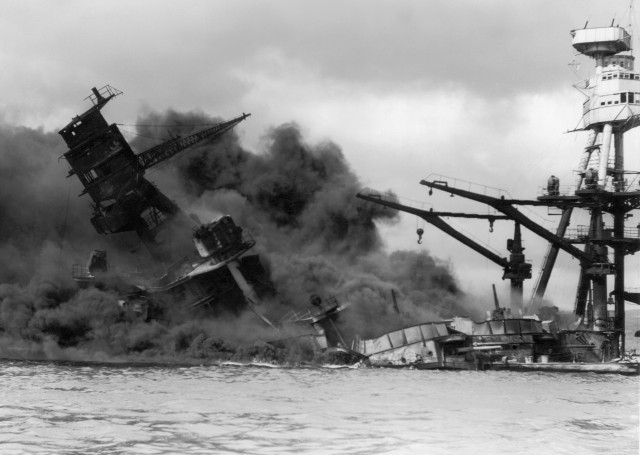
<point>490,225</point>
<point>420,231</point>
<point>430,190</point>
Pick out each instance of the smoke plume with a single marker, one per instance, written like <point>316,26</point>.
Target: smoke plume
<point>297,200</point>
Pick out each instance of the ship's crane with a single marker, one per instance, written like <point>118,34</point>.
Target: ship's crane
<point>113,175</point>
<point>515,268</point>
<point>172,147</point>
<point>506,206</point>
<point>594,263</point>
<point>611,109</point>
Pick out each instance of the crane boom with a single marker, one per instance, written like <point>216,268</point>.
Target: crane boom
<point>505,206</point>
<point>434,219</point>
<point>516,270</point>
<point>171,148</point>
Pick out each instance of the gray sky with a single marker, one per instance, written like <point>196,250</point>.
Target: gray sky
<point>476,90</point>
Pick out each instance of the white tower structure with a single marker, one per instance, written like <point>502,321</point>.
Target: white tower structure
<point>613,95</point>
<point>612,107</point>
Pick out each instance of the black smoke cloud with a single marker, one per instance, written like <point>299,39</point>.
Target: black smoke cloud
<point>39,207</point>
<point>298,201</point>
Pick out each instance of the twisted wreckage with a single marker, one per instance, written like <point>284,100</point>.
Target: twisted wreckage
<point>220,276</point>
<point>224,276</point>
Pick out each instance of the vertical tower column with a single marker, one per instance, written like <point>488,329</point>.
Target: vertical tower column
<point>607,131</point>
<point>516,258</point>
<point>618,251</point>
<point>598,278</point>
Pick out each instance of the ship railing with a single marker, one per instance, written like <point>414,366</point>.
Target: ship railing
<point>631,233</point>
<point>633,185</point>
<point>563,190</point>
<point>584,232</point>
<point>579,233</point>
<point>466,185</point>
<point>105,92</point>
<point>624,186</point>
<point>407,202</point>
<point>610,186</point>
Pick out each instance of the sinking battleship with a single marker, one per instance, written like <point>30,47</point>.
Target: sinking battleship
<point>221,276</point>
<point>211,274</point>
<point>510,338</point>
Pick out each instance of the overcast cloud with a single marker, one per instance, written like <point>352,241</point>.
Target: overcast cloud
<point>477,90</point>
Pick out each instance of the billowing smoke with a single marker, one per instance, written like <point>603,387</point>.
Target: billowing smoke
<point>40,213</point>
<point>296,199</point>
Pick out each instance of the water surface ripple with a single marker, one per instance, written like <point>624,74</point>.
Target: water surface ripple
<point>111,409</point>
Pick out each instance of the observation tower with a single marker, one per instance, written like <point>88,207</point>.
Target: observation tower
<point>604,189</point>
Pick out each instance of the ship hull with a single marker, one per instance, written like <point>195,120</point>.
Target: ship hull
<point>499,344</point>
<point>621,368</point>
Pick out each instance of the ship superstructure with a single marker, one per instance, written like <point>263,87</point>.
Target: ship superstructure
<point>113,176</point>
<point>605,189</point>
<point>604,186</point>
<point>221,274</point>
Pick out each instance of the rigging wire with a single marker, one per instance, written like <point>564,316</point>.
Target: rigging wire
<point>132,133</point>
<point>486,244</point>
<point>173,125</point>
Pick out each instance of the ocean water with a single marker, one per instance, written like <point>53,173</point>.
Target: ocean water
<point>64,408</point>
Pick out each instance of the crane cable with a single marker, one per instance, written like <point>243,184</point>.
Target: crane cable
<point>167,125</point>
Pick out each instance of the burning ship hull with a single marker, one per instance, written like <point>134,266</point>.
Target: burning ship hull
<point>596,341</point>
<point>221,276</point>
